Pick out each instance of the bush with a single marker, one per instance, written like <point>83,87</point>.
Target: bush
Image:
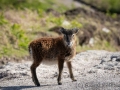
<point>112,6</point>
<point>20,36</point>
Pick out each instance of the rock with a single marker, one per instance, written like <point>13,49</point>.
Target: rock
<point>113,57</point>
<point>118,67</point>
<point>102,61</point>
<point>65,23</point>
<point>118,59</point>
<point>92,71</point>
<point>1,67</point>
<point>109,68</point>
<point>106,30</point>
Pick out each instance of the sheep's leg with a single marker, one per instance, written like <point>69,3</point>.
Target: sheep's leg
<point>33,72</point>
<point>60,67</point>
<point>70,71</point>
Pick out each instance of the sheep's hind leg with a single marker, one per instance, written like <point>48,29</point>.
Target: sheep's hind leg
<point>60,67</point>
<point>33,72</point>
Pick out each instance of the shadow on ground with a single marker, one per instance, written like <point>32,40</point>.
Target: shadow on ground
<point>21,87</point>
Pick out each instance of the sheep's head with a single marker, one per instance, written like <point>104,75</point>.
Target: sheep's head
<point>69,36</point>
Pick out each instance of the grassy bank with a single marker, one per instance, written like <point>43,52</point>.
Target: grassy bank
<point>109,6</point>
<point>24,20</point>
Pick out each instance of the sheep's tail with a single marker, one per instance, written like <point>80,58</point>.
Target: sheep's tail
<point>30,50</point>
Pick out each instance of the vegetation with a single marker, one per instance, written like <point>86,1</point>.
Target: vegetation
<point>24,20</point>
<point>18,29</point>
<point>111,6</point>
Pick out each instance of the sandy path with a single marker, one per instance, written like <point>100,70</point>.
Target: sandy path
<point>93,70</point>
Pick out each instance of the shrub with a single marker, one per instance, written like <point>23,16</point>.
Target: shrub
<point>20,35</point>
<point>112,6</point>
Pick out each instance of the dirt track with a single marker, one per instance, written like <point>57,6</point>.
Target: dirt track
<point>93,70</point>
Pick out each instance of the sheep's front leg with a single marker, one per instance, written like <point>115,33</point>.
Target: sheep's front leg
<point>60,67</point>
<point>70,71</point>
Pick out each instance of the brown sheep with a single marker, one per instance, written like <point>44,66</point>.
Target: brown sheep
<point>54,50</point>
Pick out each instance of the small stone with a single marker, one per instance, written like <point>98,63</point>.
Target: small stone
<point>109,68</point>
<point>106,30</point>
<point>1,67</point>
<point>99,67</point>
<point>115,64</point>
<point>112,57</point>
<point>111,65</point>
<point>118,67</point>
<point>92,71</point>
<point>102,61</point>
<point>118,59</point>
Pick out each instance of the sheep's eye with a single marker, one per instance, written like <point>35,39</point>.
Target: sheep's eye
<point>73,35</point>
<point>64,35</point>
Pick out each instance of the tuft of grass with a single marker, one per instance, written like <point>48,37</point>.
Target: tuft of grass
<point>57,21</point>
<point>75,23</point>
<point>113,15</point>
<point>20,36</point>
<point>2,19</point>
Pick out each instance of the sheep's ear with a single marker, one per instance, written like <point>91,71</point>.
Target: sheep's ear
<point>62,30</point>
<point>75,30</point>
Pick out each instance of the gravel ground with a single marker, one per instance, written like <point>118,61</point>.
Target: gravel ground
<point>93,69</point>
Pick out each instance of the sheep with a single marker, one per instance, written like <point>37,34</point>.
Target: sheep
<point>50,50</point>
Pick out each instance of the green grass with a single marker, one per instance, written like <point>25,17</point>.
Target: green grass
<point>2,19</point>
<point>16,41</point>
<point>20,36</point>
<point>101,45</point>
<point>22,4</point>
<point>112,6</point>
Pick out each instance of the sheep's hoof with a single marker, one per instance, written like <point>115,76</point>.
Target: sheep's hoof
<point>59,83</point>
<point>37,84</point>
<point>74,80</point>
